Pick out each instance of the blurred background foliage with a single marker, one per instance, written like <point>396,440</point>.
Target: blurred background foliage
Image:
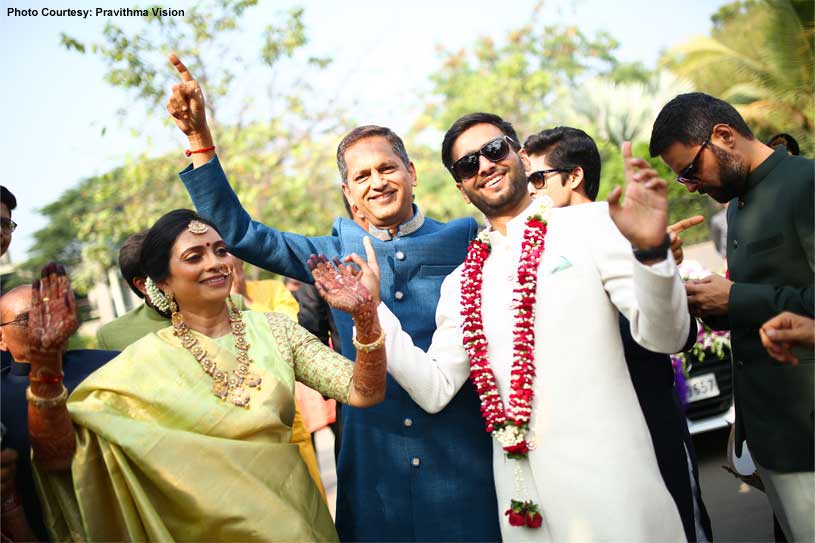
<point>759,56</point>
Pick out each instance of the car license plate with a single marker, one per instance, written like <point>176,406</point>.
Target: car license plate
<point>702,387</point>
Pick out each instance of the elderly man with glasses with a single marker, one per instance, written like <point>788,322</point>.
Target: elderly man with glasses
<point>771,259</point>
<point>18,484</point>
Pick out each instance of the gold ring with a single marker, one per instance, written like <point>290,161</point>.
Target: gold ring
<point>45,298</point>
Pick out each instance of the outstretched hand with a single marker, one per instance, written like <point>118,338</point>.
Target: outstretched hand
<point>186,103</point>
<point>643,217</point>
<point>52,317</point>
<point>344,287</point>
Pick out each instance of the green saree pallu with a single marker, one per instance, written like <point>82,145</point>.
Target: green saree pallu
<point>160,458</point>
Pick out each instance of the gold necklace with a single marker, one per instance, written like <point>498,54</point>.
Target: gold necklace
<point>224,385</point>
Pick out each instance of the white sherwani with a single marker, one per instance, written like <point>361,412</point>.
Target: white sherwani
<point>593,469</point>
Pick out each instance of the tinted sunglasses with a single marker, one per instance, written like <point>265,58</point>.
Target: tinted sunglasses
<point>688,175</point>
<point>538,178</point>
<point>494,151</point>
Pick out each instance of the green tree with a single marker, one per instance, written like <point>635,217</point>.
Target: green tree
<point>759,57</point>
<point>277,150</point>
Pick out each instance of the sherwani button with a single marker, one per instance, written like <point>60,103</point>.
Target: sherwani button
<point>735,244</point>
<point>400,255</point>
<point>398,294</point>
<point>415,462</point>
<point>408,422</point>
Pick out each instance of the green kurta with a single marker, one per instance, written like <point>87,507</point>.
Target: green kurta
<point>160,458</point>
<point>771,258</point>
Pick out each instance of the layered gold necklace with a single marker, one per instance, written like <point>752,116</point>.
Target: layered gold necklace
<point>224,386</point>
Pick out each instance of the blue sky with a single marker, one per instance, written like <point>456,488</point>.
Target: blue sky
<point>56,102</point>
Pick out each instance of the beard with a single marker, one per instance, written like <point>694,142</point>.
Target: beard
<point>501,204</point>
<point>732,177</point>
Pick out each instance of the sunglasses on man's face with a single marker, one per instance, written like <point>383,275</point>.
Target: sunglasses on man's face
<point>688,175</point>
<point>538,178</point>
<point>494,151</point>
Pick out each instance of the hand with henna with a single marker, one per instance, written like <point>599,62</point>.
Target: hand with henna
<point>51,321</point>
<point>356,291</point>
<point>344,287</point>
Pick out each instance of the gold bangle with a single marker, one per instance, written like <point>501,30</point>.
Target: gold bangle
<point>368,347</point>
<point>46,403</point>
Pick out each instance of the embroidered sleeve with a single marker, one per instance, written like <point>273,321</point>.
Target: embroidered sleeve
<point>315,365</point>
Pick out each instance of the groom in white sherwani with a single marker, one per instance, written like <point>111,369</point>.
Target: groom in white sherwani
<point>532,318</point>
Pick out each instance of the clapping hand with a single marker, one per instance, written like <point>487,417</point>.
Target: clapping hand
<point>52,317</point>
<point>344,287</point>
<point>643,217</point>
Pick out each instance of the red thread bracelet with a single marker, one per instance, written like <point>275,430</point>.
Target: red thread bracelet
<point>204,150</point>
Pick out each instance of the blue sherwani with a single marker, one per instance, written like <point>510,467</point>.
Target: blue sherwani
<point>403,474</point>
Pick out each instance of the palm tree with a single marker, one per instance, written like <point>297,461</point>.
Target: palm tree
<point>759,58</point>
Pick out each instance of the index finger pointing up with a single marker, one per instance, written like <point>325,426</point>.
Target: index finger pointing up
<point>182,70</point>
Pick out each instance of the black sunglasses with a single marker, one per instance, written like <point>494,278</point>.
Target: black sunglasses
<point>495,150</point>
<point>8,224</point>
<point>538,178</point>
<point>688,174</point>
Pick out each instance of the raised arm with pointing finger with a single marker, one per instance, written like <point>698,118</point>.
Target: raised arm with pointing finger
<point>382,494</point>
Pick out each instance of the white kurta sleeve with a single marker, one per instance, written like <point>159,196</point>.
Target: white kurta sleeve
<point>433,378</point>
<point>652,298</point>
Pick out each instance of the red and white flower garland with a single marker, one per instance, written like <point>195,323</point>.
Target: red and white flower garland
<point>507,425</point>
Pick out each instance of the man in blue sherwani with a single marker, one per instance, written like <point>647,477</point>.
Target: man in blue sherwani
<point>403,474</point>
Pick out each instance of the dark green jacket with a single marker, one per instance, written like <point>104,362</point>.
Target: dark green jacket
<point>770,250</point>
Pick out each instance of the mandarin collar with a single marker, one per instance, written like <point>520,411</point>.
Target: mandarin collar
<point>516,225</point>
<point>765,168</point>
<point>405,229</point>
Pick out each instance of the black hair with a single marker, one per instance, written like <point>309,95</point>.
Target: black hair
<point>787,141</point>
<point>7,198</point>
<point>466,122</point>
<point>689,119</point>
<point>130,260</point>
<point>158,243</point>
<point>566,147</point>
<point>369,131</point>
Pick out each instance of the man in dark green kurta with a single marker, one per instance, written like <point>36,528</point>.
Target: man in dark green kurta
<point>771,254</point>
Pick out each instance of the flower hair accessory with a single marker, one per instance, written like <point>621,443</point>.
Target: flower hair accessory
<point>156,296</point>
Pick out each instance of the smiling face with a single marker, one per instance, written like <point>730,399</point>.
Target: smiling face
<point>499,188</point>
<point>378,184</point>
<point>198,269</point>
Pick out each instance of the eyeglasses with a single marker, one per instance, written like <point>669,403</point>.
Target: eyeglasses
<point>539,177</point>
<point>8,225</point>
<point>22,320</point>
<point>494,151</point>
<point>688,175</point>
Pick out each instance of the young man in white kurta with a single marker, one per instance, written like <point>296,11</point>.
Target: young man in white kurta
<point>592,469</point>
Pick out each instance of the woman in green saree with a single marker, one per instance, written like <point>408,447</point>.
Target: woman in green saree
<point>185,435</point>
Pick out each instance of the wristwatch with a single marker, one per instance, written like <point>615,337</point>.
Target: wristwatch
<point>660,251</point>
